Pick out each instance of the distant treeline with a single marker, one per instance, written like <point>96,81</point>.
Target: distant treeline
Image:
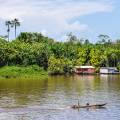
<point>59,57</point>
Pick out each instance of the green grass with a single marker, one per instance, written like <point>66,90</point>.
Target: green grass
<point>23,72</point>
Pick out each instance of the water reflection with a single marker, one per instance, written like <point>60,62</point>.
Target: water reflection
<point>56,92</point>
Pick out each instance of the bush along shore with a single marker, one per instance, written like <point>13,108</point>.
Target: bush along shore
<point>32,54</point>
<point>23,72</point>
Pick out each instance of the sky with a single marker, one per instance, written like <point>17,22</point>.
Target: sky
<point>56,18</point>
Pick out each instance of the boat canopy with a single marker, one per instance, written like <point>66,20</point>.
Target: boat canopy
<point>84,67</point>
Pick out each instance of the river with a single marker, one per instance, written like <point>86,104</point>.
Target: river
<point>50,99</point>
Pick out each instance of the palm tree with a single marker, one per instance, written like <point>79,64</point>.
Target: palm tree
<point>15,23</point>
<point>8,24</point>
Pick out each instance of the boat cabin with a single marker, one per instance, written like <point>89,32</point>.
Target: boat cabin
<point>84,69</point>
<point>108,70</point>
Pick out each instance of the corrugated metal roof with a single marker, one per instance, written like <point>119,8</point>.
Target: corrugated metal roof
<point>108,68</point>
<point>84,67</point>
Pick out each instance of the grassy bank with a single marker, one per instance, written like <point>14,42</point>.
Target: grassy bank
<point>23,72</point>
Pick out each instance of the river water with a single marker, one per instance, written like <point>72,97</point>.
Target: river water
<point>50,99</point>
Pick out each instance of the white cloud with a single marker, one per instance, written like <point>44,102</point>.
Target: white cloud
<point>51,16</point>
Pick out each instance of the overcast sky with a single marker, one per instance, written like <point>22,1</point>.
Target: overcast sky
<point>56,18</point>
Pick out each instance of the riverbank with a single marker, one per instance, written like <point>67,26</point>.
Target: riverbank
<point>32,72</point>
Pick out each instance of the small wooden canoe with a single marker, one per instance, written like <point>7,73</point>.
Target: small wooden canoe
<point>88,106</point>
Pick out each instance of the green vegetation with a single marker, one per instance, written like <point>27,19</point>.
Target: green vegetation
<point>56,57</point>
<point>22,72</point>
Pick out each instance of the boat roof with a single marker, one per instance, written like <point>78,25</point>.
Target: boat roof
<point>108,68</point>
<point>84,67</point>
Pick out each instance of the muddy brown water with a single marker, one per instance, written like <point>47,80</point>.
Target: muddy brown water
<point>50,99</point>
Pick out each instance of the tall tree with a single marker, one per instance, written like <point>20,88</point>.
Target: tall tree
<point>8,24</point>
<point>104,39</point>
<point>72,38</point>
<point>15,24</point>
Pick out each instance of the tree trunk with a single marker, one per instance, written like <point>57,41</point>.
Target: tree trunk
<point>8,30</point>
<point>15,31</point>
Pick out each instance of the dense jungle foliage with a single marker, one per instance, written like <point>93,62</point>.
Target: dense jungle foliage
<point>58,57</point>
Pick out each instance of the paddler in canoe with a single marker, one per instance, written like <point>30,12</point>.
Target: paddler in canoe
<point>95,106</point>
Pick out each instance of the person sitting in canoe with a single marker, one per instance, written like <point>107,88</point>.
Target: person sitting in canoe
<point>76,106</point>
<point>87,104</point>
